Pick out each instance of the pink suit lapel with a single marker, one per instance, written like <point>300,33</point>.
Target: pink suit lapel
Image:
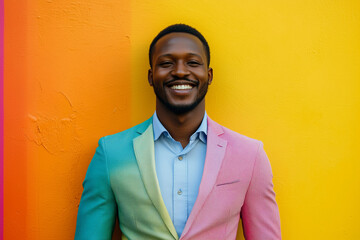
<point>215,153</point>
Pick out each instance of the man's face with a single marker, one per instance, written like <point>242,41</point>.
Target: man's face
<point>180,74</point>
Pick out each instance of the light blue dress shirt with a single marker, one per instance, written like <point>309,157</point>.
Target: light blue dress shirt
<point>179,170</point>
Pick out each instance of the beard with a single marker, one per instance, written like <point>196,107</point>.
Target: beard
<point>185,108</point>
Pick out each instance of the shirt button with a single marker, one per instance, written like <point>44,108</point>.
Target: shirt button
<point>179,192</point>
<point>180,158</point>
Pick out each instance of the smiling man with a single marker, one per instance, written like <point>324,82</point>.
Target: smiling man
<point>179,175</point>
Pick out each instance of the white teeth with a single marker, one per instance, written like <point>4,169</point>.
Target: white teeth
<point>177,87</point>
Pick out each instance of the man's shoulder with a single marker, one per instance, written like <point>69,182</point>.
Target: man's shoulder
<point>128,134</point>
<point>232,136</point>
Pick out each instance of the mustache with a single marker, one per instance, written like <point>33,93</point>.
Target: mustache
<point>194,82</point>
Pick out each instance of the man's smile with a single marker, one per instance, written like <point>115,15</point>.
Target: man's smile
<point>181,82</point>
<point>181,87</point>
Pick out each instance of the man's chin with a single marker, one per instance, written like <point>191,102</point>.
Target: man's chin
<point>181,109</point>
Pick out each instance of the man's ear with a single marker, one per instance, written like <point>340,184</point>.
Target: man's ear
<point>150,77</point>
<point>210,76</point>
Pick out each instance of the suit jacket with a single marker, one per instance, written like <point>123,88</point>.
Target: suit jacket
<point>121,180</point>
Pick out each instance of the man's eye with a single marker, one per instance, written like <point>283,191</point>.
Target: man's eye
<point>193,63</point>
<point>165,64</point>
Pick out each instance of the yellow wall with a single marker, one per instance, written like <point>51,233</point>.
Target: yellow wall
<point>285,72</point>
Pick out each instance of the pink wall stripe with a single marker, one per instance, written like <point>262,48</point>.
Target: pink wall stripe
<point>1,119</point>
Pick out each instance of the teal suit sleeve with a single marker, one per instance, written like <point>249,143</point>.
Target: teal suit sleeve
<point>97,209</point>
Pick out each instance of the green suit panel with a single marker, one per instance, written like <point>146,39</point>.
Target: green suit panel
<point>122,177</point>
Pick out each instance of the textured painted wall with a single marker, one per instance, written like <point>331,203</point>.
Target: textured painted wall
<point>285,72</point>
<point>67,84</point>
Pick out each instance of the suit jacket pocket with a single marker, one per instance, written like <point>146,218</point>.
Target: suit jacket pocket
<point>228,185</point>
<point>230,195</point>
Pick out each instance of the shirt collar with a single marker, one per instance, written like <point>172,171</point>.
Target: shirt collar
<point>159,129</point>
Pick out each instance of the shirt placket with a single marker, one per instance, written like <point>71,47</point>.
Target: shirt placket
<point>180,191</point>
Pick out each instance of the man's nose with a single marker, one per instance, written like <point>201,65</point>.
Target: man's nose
<point>180,70</point>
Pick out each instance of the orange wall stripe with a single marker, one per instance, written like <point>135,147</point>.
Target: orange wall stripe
<point>15,162</point>
<point>1,118</point>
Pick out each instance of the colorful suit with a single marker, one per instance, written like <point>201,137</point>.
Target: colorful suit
<point>121,179</point>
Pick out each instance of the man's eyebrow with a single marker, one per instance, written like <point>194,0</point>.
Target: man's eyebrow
<point>165,55</point>
<point>194,54</point>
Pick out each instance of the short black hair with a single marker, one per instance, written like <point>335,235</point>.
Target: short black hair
<point>184,29</point>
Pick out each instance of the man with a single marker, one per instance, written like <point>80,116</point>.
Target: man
<point>179,175</point>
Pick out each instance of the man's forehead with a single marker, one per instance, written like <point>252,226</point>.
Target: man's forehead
<point>179,41</point>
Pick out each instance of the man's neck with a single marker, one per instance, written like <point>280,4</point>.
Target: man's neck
<point>181,126</point>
